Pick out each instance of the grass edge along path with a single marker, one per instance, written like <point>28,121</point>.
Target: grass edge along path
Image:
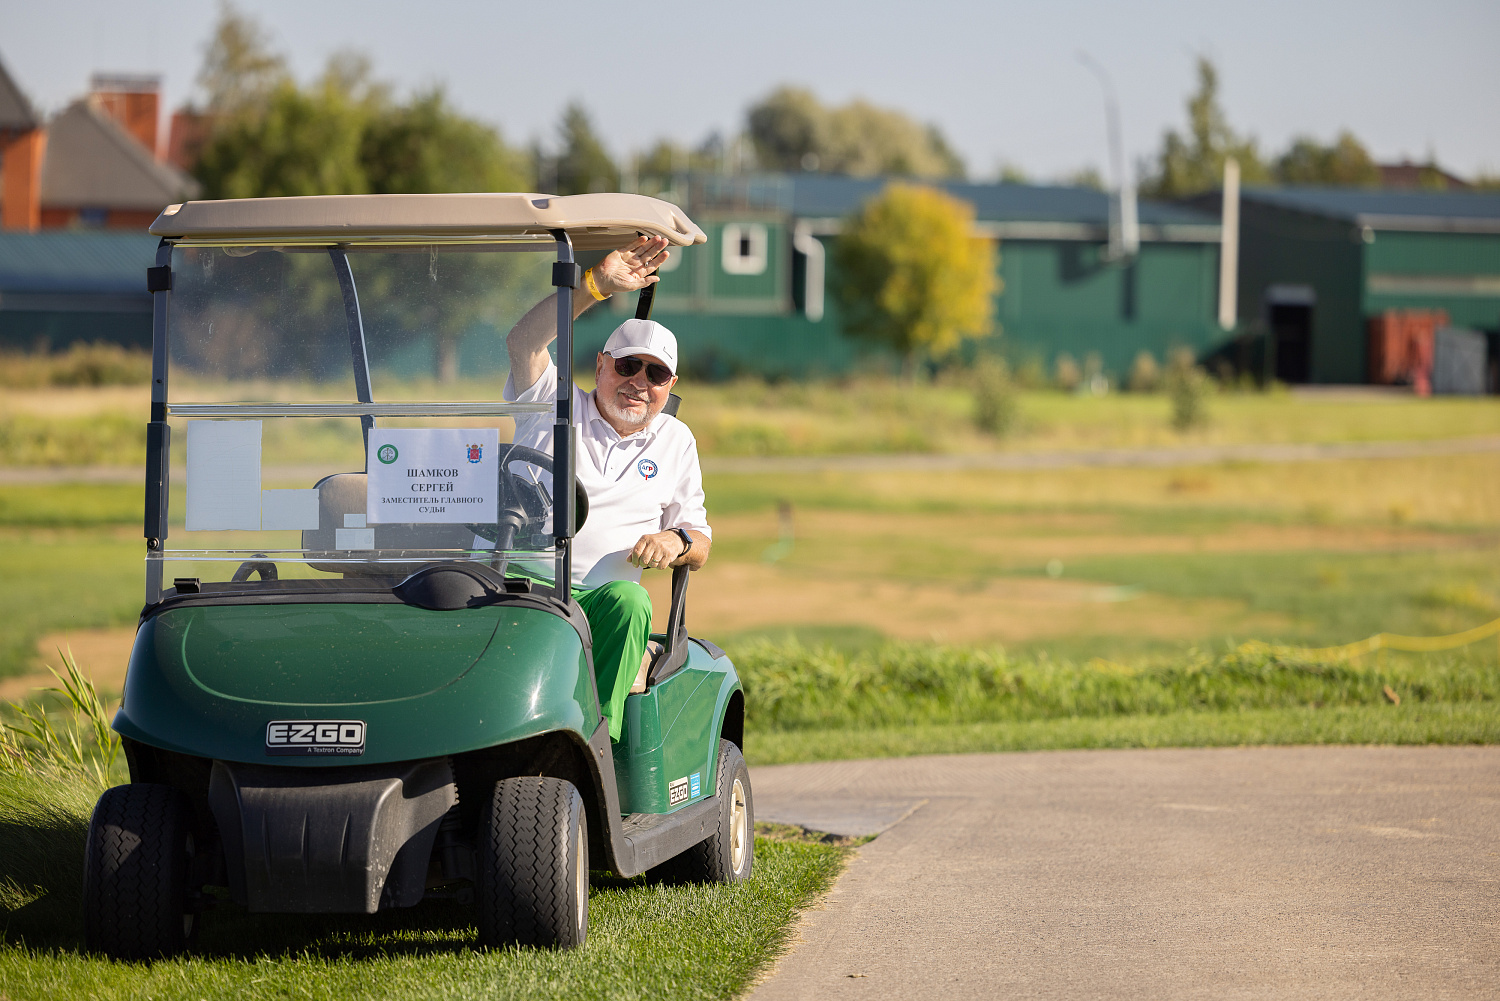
<point>1411,723</point>
<point>645,940</point>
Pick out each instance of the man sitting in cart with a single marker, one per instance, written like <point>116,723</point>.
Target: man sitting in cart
<point>638,465</point>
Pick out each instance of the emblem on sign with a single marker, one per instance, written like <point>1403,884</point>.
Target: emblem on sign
<point>387,454</point>
<point>476,453</point>
<point>646,468</point>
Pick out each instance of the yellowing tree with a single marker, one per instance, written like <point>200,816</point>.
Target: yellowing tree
<point>913,276</point>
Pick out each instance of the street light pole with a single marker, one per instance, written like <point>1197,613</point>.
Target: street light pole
<point>1124,227</point>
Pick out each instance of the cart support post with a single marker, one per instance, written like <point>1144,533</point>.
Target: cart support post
<point>565,275</point>
<point>158,431</point>
<point>355,324</point>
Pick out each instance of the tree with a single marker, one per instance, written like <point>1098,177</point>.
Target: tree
<point>426,146</point>
<point>1189,164</point>
<point>583,165</point>
<point>1345,162</point>
<point>913,276</point>
<point>302,142</point>
<point>239,69</point>
<point>791,130</point>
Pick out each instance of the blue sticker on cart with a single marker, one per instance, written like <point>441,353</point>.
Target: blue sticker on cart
<point>697,786</point>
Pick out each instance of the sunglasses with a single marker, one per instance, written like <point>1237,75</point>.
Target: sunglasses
<point>657,375</point>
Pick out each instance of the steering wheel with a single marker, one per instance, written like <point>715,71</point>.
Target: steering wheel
<point>514,491</point>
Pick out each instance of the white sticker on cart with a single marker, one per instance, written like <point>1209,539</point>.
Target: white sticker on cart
<point>223,476</point>
<point>677,791</point>
<point>432,475</point>
<point>288,509</point>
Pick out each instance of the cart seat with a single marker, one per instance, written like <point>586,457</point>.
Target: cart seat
<point>344,494</point>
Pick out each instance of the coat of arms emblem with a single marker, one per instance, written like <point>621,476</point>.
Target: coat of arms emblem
<point>476,452</point>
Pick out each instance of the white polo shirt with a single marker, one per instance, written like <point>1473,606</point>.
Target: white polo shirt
<point>642,483</point>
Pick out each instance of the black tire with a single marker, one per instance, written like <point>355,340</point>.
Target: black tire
<point>534,865</point>
<point>728,854</point>
<point>136,866</point>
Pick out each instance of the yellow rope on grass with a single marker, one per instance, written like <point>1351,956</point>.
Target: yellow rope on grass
<point>1392,641</point>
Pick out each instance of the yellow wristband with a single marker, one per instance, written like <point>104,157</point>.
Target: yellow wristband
<point>593,286</point>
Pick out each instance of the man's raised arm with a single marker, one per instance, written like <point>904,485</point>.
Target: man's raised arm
<point>624,270</point>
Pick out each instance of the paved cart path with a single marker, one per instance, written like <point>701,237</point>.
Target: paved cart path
<point>1326,872</point>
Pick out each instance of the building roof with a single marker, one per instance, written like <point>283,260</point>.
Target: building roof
<point>94,163</point>
<point>593,221</point>
<point>37,270</point>
<point>1014,211</point>
<point>16,113</point>
<point>1425,211</point>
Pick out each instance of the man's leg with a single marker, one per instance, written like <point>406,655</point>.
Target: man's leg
<point>619,615</point>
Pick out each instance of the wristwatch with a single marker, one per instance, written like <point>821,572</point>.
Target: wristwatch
<point>687,542</point>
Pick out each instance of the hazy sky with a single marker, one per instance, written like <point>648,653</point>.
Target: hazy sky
<point>1002,79</point>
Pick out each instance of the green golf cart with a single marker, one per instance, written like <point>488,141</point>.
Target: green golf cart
<point>361,680</point>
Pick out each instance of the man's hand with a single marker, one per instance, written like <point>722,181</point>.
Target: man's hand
<point>661,550</point>
<point>630,267</point>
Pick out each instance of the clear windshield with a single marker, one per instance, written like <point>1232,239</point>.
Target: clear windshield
<point>338,412</point>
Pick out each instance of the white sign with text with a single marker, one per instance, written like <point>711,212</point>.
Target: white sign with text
<point>433,475</point>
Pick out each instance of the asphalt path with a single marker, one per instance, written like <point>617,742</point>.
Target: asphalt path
<point>1188,455</point>
<point>1317,872</point>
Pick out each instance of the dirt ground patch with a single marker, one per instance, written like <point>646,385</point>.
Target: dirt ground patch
<point>740,596</point>
<point>102,654</point>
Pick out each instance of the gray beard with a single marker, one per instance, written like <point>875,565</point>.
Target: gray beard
<point>608,408</point>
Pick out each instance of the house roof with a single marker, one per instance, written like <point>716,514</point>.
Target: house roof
<point>1014,211</point>
<point>74,262</point>
<point>16,113</point>
<point>94,163</point>
<point>594,221</point>
<point>1424,211</point>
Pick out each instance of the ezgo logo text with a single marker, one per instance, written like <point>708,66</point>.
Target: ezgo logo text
<point>315,736</point>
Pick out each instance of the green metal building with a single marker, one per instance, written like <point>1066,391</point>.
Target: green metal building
<point>1317,263</point>
<point>59,287</point>
<point>758,297</point>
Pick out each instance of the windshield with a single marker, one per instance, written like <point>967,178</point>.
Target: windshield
<point>338,412</point>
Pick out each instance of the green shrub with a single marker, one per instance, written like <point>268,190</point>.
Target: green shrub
<point>996,406</point>
<point>1188,386</point>
<point>98,364</point>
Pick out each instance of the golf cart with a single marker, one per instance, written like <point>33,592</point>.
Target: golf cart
<point>362,680</point>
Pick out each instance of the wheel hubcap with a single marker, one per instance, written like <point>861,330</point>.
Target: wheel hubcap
<point>738,835</point>
<point>581,878</point>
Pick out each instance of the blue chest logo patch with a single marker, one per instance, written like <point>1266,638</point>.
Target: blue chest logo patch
<point>646,468</point>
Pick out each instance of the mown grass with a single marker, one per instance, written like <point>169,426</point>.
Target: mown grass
<point>791,688</point>
<point>1417,723</point>
<point>646,940</point>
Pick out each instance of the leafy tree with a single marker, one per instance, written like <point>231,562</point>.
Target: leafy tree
<point>791,130</point>
<point>583,165</point>
<point>301,142</point>
<point>1345,162</point>
<point>912,275</point>
<point>239,69</point>
<point>1192,163</point>
<point>426,146</point>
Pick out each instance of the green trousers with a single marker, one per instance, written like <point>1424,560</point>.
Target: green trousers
<point>619,615</point>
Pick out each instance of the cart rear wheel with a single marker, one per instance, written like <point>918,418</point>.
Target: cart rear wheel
<point>135,873</point>
<point>534,865</point>
<point>728,854</point>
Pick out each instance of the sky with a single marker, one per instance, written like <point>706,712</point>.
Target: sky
<point>1003,80</point>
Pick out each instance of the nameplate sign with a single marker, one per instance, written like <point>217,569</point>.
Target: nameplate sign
<point>442,475</point>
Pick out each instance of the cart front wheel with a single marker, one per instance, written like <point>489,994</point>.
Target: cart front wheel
<point>534,865</point>
<point>135,876</point>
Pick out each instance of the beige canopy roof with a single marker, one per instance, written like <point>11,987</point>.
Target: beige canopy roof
<point>593,221</point>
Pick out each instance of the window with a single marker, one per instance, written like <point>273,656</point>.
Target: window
<point>745,248</point>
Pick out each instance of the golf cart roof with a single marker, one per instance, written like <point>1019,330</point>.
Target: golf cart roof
<point>594,221</point>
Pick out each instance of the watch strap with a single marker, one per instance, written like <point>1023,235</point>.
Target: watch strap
<point>687,541</point>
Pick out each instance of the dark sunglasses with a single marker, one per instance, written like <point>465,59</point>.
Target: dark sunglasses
<point>657,375</point>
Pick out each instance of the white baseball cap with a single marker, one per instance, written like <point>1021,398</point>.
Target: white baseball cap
<point>643,337</point>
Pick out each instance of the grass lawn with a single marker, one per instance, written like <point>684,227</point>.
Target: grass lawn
<point>645,940</point>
